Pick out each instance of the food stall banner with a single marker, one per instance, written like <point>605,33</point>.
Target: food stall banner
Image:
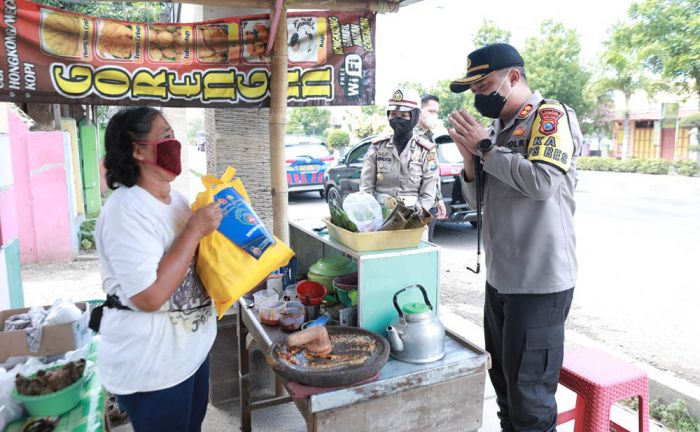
<point>52,56</point>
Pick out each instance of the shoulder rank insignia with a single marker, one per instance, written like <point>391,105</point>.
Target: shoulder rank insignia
<point>426,144</point>
<point>549,143</point>
<point>519,131</point>
<point>525,111</point>
<point>380,139</point>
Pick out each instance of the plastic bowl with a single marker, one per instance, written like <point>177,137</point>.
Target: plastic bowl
<point>343,286</point>
<point>343,296</point>
<point>333,266</point>
<point>315,291</point>
<point>347,282</point>
<point>52,404</point>
<point>326,281</point>
<point>354,296</point>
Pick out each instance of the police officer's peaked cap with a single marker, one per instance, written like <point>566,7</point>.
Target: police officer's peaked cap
<point>484,61</point>
<point>404,100</point>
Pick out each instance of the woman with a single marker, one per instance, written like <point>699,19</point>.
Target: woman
<point>158,326</point>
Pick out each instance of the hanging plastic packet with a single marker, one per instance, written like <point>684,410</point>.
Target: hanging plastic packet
<point>364,211</point>
<point>241,224</point>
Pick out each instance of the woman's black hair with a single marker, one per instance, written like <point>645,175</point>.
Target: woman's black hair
<point>125,127</point>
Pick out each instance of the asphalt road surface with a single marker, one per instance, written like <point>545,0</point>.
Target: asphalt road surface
<point>638,245</point>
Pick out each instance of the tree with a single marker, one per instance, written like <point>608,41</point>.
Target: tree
<point>489,34</point>
<point>371,121</point>
<point>670,31</point>
<point>451,102</point>
<point>553,66</point>
<point>137,11</point>
<point>623,71</point>
<point>338,138</point>
<point>310,120</point>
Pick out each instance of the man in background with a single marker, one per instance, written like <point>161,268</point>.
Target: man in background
<point>427,124</point>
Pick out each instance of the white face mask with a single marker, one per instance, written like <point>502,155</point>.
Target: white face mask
<point>431,121</point>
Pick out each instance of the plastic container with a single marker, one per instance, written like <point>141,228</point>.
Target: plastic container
<point>52,404</point>
<point>274,282</point>
<point>292,319</point>
<point>375,241</point>
<point>290,293</point>
<point>263,296</point>
<point>295,304</point>
<point>311,293</point>
<point>269,312</point>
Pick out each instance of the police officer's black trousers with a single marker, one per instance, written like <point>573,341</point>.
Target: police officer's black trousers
<point>524,333</point>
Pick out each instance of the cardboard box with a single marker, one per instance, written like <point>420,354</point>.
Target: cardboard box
<point>56,339</point>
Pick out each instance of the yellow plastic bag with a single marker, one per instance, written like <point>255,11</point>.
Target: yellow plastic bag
<point>227,270</point>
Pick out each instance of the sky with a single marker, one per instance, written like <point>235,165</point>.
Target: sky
<point>430,40</point>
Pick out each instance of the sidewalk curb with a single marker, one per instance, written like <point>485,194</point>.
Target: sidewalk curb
<point>663,385</point>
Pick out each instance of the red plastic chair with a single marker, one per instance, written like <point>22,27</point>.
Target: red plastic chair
<point>599,381</point>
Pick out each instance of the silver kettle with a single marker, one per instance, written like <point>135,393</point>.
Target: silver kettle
<point>417,336</point>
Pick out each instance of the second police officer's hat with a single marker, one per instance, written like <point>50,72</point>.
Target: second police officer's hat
<point>484,61</point>
<point>404,100</point>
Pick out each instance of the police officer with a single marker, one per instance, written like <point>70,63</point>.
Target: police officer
<point>401,166</point>
<point>528,161</point>
<point>427,124</point>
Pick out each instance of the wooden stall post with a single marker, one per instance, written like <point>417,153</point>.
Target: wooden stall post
<point>278,122</point>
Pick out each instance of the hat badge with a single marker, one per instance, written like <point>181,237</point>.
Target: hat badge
<point>398,96</point>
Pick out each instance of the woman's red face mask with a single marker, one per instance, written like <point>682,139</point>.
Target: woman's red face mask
<point>167,154</point>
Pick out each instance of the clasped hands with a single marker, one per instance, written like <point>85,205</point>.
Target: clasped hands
<point>466,132</point>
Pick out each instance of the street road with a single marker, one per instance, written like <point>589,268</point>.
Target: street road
<point>639,254</point>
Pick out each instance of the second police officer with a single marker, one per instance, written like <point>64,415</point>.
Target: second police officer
<point>401,166</point>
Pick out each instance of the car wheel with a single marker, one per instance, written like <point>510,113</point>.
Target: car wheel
<point>333,197</point>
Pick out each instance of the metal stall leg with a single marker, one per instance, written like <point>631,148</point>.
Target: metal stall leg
<point>244,376</point>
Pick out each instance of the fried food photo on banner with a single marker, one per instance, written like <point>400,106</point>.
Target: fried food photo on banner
<point>165,43</point>
<point>60,33</point>
<point>115,39</point>
<point>213,43</point>
<point>256,41</point>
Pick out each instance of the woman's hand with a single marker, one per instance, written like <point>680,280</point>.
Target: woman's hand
<point>206,219</point>
<point>174,265</point>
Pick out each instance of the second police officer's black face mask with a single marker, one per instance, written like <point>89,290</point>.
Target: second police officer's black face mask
<point>491,105</point>
<point>403,128</point>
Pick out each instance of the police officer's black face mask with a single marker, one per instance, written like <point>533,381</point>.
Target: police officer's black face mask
<point>491,105</point>
<point>403,128</point>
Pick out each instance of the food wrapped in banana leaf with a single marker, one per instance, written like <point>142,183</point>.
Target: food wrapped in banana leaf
<point>419,217</point>
<point>340,219</point>
<point>395,221</point>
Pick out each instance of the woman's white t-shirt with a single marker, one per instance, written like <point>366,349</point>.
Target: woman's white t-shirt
<point>148,351</point>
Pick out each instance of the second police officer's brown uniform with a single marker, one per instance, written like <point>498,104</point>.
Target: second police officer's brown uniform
<point>411,176</point>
